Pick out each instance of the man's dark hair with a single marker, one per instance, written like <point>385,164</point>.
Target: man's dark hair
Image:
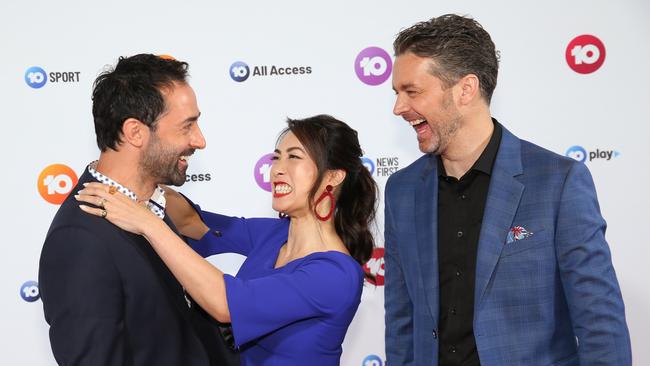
<point>457,45</point>
<point>132,89</point>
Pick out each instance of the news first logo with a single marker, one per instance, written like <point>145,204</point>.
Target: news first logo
<point>55,183</point>
<point>381,167</point>
<point>373,65</point>
<point>262,172</point>
<point>585,54</point>
<point>579,153</point>
<point>240,71</point>
<point>375,267</point>
<point>29,291</point>
<point>36,77</point>
<point>372,360</point>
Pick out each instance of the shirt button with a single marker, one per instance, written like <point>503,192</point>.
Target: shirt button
<point>459,273</point>
<point>452,311</point>
<point>463,196</point>
<point>459,234</point>
<point>452,349</point>
<point>435,335</point>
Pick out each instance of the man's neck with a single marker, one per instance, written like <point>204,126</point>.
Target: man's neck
<point>124,170</point>
<point>466,146</point>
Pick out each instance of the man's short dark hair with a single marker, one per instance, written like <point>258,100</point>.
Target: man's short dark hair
<point>457,45</point>
<point>132,89</point>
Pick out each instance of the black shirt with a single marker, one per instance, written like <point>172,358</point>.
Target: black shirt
<point>460,213</point>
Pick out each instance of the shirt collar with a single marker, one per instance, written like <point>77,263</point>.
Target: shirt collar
<point>485,162</point>
<point>156,203</point>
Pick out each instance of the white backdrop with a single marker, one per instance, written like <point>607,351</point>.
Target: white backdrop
<point>539,97</point>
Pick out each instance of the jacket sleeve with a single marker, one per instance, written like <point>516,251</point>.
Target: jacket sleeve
<point>82,299</point>
<point>397,302</point>
<point>588,277</point>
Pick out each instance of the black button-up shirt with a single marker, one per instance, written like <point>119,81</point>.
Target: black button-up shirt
<point>461,203</point>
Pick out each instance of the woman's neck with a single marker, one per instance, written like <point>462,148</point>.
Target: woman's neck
<point>309,235</point>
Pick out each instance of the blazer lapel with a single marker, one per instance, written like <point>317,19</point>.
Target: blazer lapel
<point>426,220</point>
<point>502,202</point>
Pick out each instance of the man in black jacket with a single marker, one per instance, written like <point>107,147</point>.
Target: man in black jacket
<point>107,296</point>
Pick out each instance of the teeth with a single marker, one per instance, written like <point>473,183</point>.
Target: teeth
<point>185,158</point>
<point>416,121</point>
<point>283,188</point>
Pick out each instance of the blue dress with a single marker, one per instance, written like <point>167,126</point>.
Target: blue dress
<point>297,314</point>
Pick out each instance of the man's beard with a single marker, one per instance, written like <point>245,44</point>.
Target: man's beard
<point>161,163</point>
<point>445,130</point>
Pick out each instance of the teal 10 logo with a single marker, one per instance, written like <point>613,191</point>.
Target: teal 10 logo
<point>372,360</point>
<point>369,164</point>
<point>35,77</point>
<point>29,291</point>
<point>239,71</point>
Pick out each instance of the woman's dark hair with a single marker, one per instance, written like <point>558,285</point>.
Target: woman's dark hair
<point>333,145</point>
<point>132,89</point>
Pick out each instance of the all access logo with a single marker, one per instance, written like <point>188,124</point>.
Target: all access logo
<point>373,65</point>
<point>375,267</point>
<point>55,183</point>
<point>585,54</point>
<point>239,71</point>
<point>262,172</point>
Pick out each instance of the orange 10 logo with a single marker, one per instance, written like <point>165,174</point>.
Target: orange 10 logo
<point>585,54</point>
<point>55,183</point>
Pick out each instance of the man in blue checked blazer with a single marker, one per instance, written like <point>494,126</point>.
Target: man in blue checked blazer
<point>495,247</point>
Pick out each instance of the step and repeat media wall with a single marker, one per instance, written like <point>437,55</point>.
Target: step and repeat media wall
<point>573,78</point>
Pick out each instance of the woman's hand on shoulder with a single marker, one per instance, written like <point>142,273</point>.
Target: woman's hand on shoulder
<point>117,208</point>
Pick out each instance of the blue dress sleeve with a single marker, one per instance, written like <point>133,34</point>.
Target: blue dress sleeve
<point>323,284</point>
<point>229,234</point>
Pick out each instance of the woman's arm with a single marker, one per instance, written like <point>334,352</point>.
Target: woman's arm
<point>203,281</point>
<point>183,215</point>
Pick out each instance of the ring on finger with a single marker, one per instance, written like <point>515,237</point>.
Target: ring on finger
<point>112,190</point>
<point>101,202</point>
<point>104,213</point>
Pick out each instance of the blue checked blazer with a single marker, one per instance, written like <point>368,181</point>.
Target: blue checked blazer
<point>549,299</point>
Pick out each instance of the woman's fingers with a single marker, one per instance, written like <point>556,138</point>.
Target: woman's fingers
<point>94,211</point>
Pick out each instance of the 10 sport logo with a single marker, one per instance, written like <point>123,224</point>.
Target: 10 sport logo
<point>580,154</point>
<point>585,54</point>
<point>29,291</point>
<point>36,77</point>
<point>56,182</point>
<point>373,65</point>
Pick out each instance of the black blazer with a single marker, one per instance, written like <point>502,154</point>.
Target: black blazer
<point>110,300</point>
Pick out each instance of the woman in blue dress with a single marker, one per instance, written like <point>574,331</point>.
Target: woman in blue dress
<point>297,291</point>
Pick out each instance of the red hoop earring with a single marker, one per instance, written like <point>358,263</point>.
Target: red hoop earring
<point>326,193</point>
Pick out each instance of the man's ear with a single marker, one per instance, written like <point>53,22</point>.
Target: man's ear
<point>469,89</point>
<point>134,132</point>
